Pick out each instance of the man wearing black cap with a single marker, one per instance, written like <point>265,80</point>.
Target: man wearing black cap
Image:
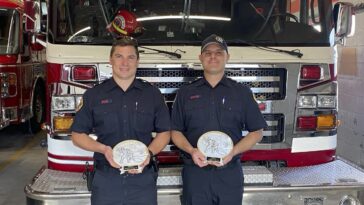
<point>214,103</point>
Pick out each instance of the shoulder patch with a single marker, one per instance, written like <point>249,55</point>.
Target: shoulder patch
<point>79,105</point>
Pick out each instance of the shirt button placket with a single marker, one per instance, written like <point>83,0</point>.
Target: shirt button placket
<point>125,122</point>
<point>212,107</point>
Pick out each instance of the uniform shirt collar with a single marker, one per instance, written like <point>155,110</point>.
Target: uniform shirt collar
<point>111,84</point>
<point>224,81</point>
<point>137,83</point>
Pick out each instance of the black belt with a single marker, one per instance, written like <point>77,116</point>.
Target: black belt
<point>232,163</point>
<point>106,167</point>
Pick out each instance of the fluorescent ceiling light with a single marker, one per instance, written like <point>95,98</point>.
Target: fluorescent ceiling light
<point>151,18</point>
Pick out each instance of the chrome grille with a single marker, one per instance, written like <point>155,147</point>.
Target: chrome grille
<point>266,83</point>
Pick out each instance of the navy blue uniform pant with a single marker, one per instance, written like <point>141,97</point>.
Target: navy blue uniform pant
<point>213,186</point>
<point>111,188</point>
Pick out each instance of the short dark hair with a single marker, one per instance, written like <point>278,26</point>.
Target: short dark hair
<point>126,41</point>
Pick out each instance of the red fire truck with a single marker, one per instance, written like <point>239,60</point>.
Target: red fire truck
<point>22,63</point>
<point>285,50</point>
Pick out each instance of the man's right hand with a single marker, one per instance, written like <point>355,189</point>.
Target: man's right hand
<point>109,157</point>
<point>198,158</point>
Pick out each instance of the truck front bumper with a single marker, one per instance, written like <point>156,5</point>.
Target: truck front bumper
<point>337,182</point>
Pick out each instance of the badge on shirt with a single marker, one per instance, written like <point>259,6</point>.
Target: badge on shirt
<point>194,97</point>
<point>106,101</point>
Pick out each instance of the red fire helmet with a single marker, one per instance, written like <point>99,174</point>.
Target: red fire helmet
<point>125,24</point>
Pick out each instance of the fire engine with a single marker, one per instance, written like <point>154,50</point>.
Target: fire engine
<point>284,50</point>
<point>22,63</point>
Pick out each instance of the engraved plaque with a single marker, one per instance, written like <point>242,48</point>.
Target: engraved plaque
<point>130,154</point>
<point>215,145</point>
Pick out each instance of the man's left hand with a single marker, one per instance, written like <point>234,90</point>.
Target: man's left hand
<point>142,166</point>
<point>225,160</point>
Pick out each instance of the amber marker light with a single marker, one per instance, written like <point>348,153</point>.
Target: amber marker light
<point>62,123</point>
<point>326,121</point>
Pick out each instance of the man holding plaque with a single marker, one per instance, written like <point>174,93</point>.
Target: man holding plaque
<point>208,117</point>
<point>123,111</point>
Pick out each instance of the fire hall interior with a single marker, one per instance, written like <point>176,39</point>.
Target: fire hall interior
<point>23,152</point>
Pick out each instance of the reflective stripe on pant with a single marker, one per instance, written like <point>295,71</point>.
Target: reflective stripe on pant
<point>211,186</point>
<point>111,188</point>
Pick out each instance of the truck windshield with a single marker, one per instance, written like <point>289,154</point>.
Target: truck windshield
<point>187,22</point>
<point>9,31</point>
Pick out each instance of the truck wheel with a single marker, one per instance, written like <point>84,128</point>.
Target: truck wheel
<point>38,110</point>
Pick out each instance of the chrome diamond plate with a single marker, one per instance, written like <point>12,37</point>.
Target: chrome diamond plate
<point>51,181</point>
<point>252,175</point>
<point>257,175</point>
<point>169,177</point>
<point>333,173</point>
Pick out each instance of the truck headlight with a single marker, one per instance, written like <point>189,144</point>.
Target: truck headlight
<point>307,101</point>
<point>326,101</point>
<point>63,103</point>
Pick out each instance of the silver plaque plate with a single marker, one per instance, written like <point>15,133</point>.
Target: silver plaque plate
<point>130,154</point>
<point>215,145</point>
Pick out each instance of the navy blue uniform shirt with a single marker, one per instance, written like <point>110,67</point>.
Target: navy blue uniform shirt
<point>114,115</point>
<point>229,107</point>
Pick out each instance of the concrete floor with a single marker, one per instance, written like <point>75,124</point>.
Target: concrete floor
<point>21,156</point>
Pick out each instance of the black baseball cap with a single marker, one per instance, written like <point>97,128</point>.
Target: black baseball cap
<point>214,39</point>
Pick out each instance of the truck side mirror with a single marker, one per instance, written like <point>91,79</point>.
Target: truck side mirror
<point>28,23</point>
<point>31,24</point>
<point>32,18</point>
<point>344,20</point>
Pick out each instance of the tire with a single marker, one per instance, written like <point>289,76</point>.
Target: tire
<point>38,109</point>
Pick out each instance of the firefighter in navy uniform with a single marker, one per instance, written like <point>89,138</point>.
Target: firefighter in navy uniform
<point>214,103</point>
<point>122,108</point>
